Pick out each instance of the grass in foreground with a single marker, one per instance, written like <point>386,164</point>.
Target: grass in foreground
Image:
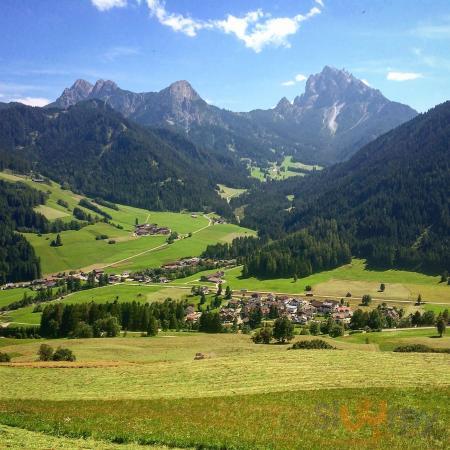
<point>384,418</point>
<point>15,438</point>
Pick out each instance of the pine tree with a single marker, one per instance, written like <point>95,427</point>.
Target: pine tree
<point>152,328</point>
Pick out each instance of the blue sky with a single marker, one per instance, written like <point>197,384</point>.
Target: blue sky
<point>239,55</point>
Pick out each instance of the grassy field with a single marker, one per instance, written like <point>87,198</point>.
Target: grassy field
<point>192,246</point>
<point>228,192</point>
<point>8,296</point>
<point>17,438</point>
<point>281,171</point>
<point>355,278</point>
<point>388,340</point>
<point>163,367</point>
<point>151,391</point>
<point>120,292</point>
<point>81,250</point>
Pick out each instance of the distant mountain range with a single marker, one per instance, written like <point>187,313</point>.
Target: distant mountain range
<point>335,116</point>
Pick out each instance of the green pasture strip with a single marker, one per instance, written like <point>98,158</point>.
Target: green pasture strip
<point>384,418</point>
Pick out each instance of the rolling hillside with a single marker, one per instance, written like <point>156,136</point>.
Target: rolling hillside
<point>81,249</point>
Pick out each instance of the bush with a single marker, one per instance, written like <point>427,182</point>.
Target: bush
<point>101,237</point>
<point>304,331</point>
<point>4,357</point>
<point>318,344</point>
<point>109,326</point>
<point>263,336</point>
<point>63,354</point>
<point>83,330</point>
<point>45,352</point>
<point>111,241</point>
<point>336,331</point>
<point>419,348</point>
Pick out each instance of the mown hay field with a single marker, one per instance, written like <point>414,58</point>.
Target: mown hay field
<point>242,396</point>
<point>164,367</point>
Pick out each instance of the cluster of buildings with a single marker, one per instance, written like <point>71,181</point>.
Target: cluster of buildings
<point>216,278</point>
<point>149,229</point>
<point>298,310</point>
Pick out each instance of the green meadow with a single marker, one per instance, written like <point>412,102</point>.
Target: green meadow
<point>149,391</point>
<point>191,246</point>
<point>124,292</point>
<point>281,171</point>
<point>8,296</point>
<point>228,192</point>
<point>355,278</point>
<point>80,249</point>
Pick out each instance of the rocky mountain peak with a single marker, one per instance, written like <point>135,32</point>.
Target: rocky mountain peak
<point>332,86</point>
<point>104,87</point>
<point>182,90</point>
<point>283,106</point>
<point>82,86</point>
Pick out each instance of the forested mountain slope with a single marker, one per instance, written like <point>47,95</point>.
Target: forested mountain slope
<point>96,151</point>
<point>18,260</point>
<point>390,200</point>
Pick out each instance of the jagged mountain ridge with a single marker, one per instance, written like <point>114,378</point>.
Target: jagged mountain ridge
<point>335,116</point>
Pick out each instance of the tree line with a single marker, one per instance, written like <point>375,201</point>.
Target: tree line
<point>106,319</point>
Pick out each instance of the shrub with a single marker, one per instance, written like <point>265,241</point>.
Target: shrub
<point>63,354</point>
<point>304,331</point>
<point>319,344</point>
<point>83,330</point>
<point>419,348</point>
<point>111,241</point>
<point>263,336</point>
<point>101,237</point>
<point>336,331</point>
<point>109,326</point>
<point>45,352</point>
<point>4,357</point>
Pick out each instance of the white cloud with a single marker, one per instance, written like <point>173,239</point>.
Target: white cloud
<point>33,101</point>
<point>365,82</point>
<point>117,52</point>
<point>105,5</point>
<point>300,77</point>
<point>403,76</point>
<point>256,29</point>
<point>297,79</point>
<point>177,22</point>
<point>320,3</point>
